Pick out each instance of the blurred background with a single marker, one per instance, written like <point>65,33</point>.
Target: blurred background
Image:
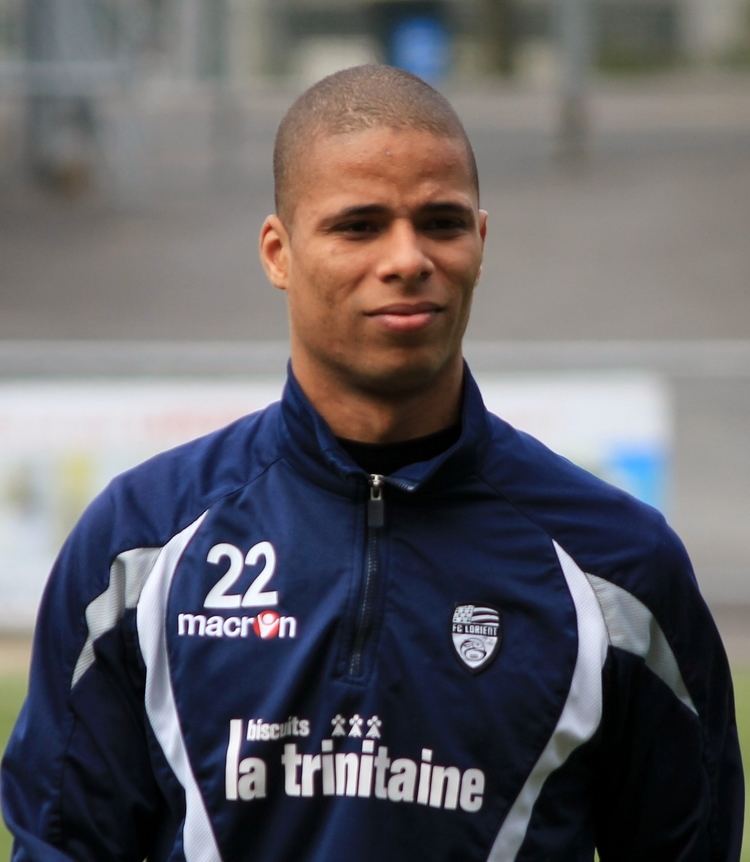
<point>613,315</point>
<point>612,319</point>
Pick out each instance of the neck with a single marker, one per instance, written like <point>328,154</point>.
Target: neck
<point>372,417</point>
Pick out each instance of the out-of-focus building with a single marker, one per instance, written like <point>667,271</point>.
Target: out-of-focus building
<point>288,37</point>
<point>75,74</point>
<point>264,37</point>
<point>492,35</point>
<point>61,61</point>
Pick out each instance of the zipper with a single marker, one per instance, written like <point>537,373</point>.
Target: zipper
<point>376,504</point>
<point>375,522</point>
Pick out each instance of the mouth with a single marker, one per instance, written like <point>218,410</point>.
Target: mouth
<point>406,316</point>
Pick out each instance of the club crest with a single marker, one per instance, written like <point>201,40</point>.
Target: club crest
<point>476,635</point>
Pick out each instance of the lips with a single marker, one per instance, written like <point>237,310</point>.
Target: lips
<point>406,316</point>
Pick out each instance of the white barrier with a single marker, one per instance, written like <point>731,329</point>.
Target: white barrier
<point>61,441</point>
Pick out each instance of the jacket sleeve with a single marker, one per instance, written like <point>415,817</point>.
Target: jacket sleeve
<point>77,776</point>
<point>670,772</point>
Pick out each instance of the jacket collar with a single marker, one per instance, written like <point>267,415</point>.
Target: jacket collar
<point>309,443</point>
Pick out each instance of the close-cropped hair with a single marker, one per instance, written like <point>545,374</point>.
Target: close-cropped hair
<point>353,100</point>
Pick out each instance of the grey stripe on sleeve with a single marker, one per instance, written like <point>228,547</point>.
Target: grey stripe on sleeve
<point>632,627</point>
<point>127,575</point>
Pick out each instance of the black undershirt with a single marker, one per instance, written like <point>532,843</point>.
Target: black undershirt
<point>385,458</point>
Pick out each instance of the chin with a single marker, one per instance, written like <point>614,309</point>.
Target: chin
<point>406,377</point>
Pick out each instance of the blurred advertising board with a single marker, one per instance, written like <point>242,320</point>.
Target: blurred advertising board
<point>61,442</point>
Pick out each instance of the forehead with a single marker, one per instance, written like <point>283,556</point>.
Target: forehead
<point>398,163</point>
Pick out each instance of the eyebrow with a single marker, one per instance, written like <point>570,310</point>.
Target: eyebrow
<point>449,207</point>
<point>355,212</point>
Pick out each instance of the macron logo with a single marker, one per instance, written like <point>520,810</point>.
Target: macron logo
<point>266,625</point>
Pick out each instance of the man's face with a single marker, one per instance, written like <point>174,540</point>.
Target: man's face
<point>379,261</point>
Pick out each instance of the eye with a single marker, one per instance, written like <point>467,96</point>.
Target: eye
<point>358,228</point>
<point>445,225</point>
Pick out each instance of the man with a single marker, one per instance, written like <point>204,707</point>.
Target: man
<point>373,621</point>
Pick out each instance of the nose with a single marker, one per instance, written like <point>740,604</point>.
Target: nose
<point>404,257</point>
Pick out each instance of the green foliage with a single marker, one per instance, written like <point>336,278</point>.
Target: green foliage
<point>742,705</point>
<point>738,55</point>
<point>12,691</point>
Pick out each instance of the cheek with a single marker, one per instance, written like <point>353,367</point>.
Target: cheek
<point>325,284</point>
<point>461,260</point>
<point>464,275</point>
<point>313,303</point>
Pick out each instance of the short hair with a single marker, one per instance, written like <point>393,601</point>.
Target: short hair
<point>355,99</point>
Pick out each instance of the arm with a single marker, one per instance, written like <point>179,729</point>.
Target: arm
<point>670,775</point>
<point>78,777</point>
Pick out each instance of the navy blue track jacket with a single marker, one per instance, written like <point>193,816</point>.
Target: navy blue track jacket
<point>249,649</point>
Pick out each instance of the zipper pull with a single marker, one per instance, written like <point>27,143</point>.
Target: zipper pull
<point>376,504</point>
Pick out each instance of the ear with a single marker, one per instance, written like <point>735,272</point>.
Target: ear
<point>483,225</point>
<point>273,248</point>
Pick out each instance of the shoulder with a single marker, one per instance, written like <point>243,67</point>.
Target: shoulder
<point>634,563</point>
<point>150,503</point>
<point>606,531</point>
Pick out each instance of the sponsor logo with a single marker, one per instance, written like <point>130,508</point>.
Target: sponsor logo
<point>266,625</point>
<point>476,635</point>
<point>259,730</point>
<point>234,567</point>
<point>362,767</point>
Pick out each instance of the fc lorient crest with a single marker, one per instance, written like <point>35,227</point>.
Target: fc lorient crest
<point>476,635</point>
